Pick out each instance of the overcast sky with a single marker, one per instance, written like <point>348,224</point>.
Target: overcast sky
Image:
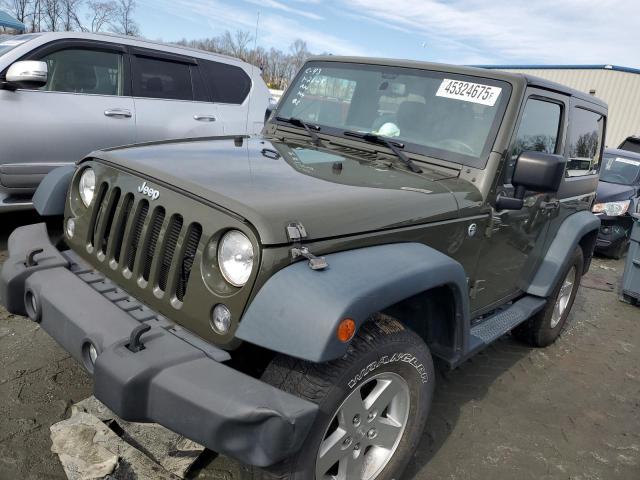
<point>454,31</point>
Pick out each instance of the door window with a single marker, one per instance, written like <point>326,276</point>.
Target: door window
<point>585,142</point>
<point>155,78</point>
<point>538,131</point>
<point>84,71</point>
<point>227,83</point>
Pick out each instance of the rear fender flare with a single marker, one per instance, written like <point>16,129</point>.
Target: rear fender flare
<point>297,311</point>
<point>569,235</point>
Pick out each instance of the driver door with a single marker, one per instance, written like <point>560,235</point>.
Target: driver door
<point>516,239</point>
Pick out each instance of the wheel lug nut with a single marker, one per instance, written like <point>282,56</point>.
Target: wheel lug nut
<point>371,434</point>
<point>372,415</point>
<point>347,442</point>
<point>356,420</point>
<point>356,447</point>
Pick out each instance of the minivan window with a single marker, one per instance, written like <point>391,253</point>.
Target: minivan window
<point>155,78</point>
<point>585,142</point>
<point>84,71</point>
<point>227,83</point>
<point>538,131</point>
<point>9,42</point>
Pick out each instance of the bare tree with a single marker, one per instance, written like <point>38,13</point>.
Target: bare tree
<point>70,14</point>
<point>123,21</point>
<point>20,9</point>
<point>52,14</point>
<point>100,14</point>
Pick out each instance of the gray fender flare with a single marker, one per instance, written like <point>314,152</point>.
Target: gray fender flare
<point>572,230</point>
<point>297,311</point>
<point>51,195</point>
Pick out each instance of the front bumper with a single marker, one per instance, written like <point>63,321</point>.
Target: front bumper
<point>176,380</point>
<point>614,231</point>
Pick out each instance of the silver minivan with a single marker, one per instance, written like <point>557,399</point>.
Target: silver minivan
<point>63,95</point>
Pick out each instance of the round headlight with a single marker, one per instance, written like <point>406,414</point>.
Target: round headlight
<point>87,186</point>
<point>235,257</point>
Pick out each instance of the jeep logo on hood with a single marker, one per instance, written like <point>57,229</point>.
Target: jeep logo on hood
<point>148,191</point>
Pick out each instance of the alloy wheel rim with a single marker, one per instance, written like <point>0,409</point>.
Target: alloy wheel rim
<point>562,302</point>
<point>365,431</point>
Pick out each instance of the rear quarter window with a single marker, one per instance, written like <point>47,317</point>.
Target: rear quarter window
<point>226,83</point>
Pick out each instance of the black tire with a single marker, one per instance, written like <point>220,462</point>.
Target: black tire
<point>538,330</point>
<point>382,345</point>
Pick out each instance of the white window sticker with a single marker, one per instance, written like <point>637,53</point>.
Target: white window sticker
<point>469,92</point>
<point>628,161</point>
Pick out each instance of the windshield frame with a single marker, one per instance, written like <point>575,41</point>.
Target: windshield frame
<point>606,156</point>
<point>409,147</point>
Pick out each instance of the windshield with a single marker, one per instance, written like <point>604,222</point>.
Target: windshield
<point>439,114</point>
<point>621,170</point>
<point>9,42</point>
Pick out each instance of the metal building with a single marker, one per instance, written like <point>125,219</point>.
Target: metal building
<point>618,86</point>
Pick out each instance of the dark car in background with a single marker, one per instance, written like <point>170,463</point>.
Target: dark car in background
<point>631,144</point>
<point>618,196</point>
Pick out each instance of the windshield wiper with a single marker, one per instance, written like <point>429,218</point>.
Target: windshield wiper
<point>307,126</point>
<point>392,144</point>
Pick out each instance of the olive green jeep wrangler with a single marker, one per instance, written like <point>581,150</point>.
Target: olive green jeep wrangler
<point>280,299</point>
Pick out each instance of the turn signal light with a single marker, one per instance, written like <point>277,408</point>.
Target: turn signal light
<point>346,330</point>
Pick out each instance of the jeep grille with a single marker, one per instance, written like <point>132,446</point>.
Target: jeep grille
<point>129,234</point>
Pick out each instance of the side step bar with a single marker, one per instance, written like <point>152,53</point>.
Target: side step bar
<point>502,322</point>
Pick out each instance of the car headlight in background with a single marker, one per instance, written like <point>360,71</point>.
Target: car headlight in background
<point>235,258</point>
<point>87,186</point>
<point>612,209</point>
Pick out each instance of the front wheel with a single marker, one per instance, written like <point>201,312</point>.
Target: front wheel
<point>373,404</point>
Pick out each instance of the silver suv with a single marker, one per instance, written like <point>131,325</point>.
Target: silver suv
<point>63,95</point>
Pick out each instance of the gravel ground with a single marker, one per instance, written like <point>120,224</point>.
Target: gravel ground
<point>571,411</point>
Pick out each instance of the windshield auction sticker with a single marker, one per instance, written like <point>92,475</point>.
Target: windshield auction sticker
<point>469,92</point>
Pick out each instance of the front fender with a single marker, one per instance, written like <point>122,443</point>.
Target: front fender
<point>51,195</point>
<point>298,310</point>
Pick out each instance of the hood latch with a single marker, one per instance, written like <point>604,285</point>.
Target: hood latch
<point>296,233</point>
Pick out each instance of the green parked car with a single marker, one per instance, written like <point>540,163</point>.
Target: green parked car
<point>281,298</point>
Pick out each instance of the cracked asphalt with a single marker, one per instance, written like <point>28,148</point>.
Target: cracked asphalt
<point>570,411</point>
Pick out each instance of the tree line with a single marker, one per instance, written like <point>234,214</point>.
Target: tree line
<point>278,67</point>
<point>75,15</point>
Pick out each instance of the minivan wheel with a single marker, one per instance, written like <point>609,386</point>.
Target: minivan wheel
<point>547,325</point>
<point>373,403</point>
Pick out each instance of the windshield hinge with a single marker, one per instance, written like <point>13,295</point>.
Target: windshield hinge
<point>296,233</point>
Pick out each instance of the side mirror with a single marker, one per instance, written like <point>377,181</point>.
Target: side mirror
<point>27,74</point>
<point>534,171</point>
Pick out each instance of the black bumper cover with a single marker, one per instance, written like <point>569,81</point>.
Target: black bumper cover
<point>177,380</point>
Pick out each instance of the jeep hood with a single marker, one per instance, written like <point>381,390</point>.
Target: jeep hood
<point>271,183</point>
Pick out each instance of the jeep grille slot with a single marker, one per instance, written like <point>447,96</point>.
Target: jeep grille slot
<point>152,241</point>
<point>169,249</point>
<point>97,213</point>
<point>134,240</point>
<point>121,225</point>
<point>106,222</point>
<point>186,263</point>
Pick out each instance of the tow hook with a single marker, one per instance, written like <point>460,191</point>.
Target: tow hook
<point>31,257</point>
<point>135,345</point>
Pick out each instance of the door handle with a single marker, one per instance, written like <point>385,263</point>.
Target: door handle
<point>117,113</point>
<point>204,118</point>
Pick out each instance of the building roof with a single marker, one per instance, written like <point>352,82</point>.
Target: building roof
<point>562,67</point>
<point>8,21</point>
